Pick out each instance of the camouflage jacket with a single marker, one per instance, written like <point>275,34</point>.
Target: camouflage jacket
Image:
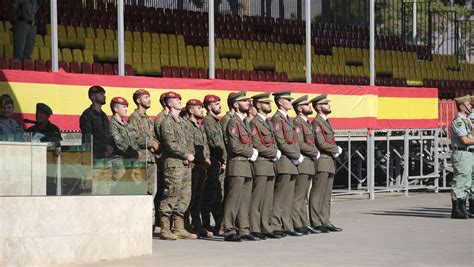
<point>96,124</point>
<point>197,136</point>
<point>175,144</point>
<point>145,127</point>
<point>215,138</point>
<point>127,141</point>
<point>224,122</point>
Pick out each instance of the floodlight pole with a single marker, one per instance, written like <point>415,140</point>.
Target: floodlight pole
<point>54,36</point>
<point>372,42</point>
<point>212,64</point>
<point>308,40</point>
<point>120,38</point>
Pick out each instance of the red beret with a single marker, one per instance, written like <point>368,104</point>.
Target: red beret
<point>211,98</point>
<point>171,95</point>
<point>140,92</point>
<point>232,94</point>
<point>119,100</point>
<point>194,102</point>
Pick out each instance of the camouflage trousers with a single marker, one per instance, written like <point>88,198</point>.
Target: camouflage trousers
<point>212,201</point>
<point>177,192</point>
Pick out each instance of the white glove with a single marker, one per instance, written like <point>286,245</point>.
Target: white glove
<point>277,157</point>
<point>339,152</point>
<point>254,155</point>
<point>317,156</point>
<point>299,160</point>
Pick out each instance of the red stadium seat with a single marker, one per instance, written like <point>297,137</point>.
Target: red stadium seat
<point>128,70</point>
<point>253,76</point>
<point>193,73</point>
<point>228,75</point>
<point>97,68</point>
<point>276,77</point>
<point>4,64</point>
<point>166,71</point>
<point>269,76</point>
<point>284,77</point>
<point>202,73</point>
<point>28,64</point>
<point>108,69</point>
<point>15,64</point>
<point>86,68</point>
<point>63,65</point>
<point>175,72</point>
<point>236,75</point>
<point>40,65</point>
<point>184,72</point>
<point>74,67</point>
<point>220,74</point>
<point>245,75</point>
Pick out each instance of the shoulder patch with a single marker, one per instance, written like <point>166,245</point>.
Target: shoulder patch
<point>233,130</point>
<point>297,129</point>
<point>459,124</point>
<point>254,131</point>
<point>276,126</point>
<point>317,129</point>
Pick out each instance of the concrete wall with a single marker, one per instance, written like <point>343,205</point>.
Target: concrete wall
<point>22,169</point>
<point>63,230</point>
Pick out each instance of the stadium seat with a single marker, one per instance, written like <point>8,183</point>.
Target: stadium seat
<point>40,65</point>
<point>97,68</point>
<point>86,67</point>
<point>74,67</point>
<point>15,64</point>
<point>28,65</point>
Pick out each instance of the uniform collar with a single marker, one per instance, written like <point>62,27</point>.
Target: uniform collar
<point>323,116</point>
<point>119,121</point>
<point>284,113</point>
<point>241,116</point>
<point>303,117</point>
<point>144,115</point>
<point>264,118</point>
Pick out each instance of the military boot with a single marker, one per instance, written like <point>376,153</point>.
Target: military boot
<point>471,206</point>
<point>200,230</point>
<point>165,230</point>
<point>467,211</point>
<point>180,232</point>
<point>457,212</point>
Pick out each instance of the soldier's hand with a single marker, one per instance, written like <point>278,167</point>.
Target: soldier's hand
<point>108,151</point>
<point>185,162</point>
<point>153,146</point>
<point>207,162</point>
<point>223,166</point>
<point>190,158</point>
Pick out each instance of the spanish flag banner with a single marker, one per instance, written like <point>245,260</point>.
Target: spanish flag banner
<point>353,107</point>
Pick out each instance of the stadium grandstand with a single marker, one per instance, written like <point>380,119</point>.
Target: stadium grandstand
<point>257,41</point>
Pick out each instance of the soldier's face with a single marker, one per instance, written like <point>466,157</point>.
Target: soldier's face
<point>307,109</point>
<point>197,112</point>
<point>325,108</point>
<point>144,101</point>
<point>266,107</point>
<point>122,110</point>
<point>243,106</point>
<point>175,103</point>
<point>216,107</point>
<point>99,98</point>
<point>41,116</point>
<point>252,111</point>
<point>6,110</point>
<point>285,103</point>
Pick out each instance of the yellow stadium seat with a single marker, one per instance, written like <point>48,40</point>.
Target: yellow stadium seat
<point>174,61</point>
<point>146,36</point>
<point>164,38</point>
<point>225,63</point>
<point>249,64</point>
<point>128,58</point>
<point>67,54</point>
<point>45,53</point>
<point>155,60</point>
<point>198,51</point>
<point>7,50</point>
<point>164,49</point>
<point>279,66</point>
<point>137,47</point>
<point>110,50</point>
<point>2,28</point>
<point>110,34</point>
<point>192,62</point>
<point>147,64</point>
<point>80,35</point>
<point>146,48</point>
<point>256,45</point>
<point>219,42</point>
<point>137,36</point>
<point>99,46</point>
<point>90,32</point>
<point>100,33</point>
<point>233,64</point>
<point>128,36</point>
<point>155,38</point>
<point>88,56</point>
<point>77,55</point>
<point>155,48</point>
<point>180,40</point>
<point>172,39</point>
<point>182,50</point>
<point>242,44</point>
<point>5,38</point>
<point>252,55</point>
<point>165,60</point>
<point>39,41</point>
<point>190,50</point>
<point>183,61</point>
<point>248,44</point>
<point>200,63</point>
<point>137,58</point>
<point>89,44</point>
<point>173,49</point>
<point>34,53</point>
<point>71,36</point>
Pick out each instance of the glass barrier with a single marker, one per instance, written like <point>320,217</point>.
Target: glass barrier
<point>69,167</point>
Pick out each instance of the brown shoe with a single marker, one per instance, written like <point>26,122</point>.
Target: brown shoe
<point>165,232</point>
<point>180,232</point>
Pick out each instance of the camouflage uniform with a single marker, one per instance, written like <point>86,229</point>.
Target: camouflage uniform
<point>177,175</point>
<point>128,149</point>
<point>197,136</point>
<point>160,182</point>
<point>213,198</point>
<point>145,128</point>
<point>224,122</point>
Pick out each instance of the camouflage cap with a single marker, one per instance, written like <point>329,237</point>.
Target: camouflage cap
<point>320,99</point>
<point>240,96</point>
<point>302,100</point>
<point>463,99</point>
<point>45,108</point>
<point>286,94</point>
<point>263,97</point>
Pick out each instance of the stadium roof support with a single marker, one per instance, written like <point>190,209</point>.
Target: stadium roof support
<point>54,36</point>
<point>372,42</point>
<point>120,38</point>
<point>308,40</point>
<point>212,65</point>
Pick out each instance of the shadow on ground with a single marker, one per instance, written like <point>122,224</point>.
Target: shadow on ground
<point>424,212</point>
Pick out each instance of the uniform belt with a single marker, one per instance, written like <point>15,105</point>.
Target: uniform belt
<point>265,159</point>
<point>30,22</point>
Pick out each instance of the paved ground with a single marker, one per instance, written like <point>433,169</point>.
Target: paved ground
<point>391,230</point>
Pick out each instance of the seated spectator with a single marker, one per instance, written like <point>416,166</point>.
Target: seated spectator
<point>43,129</point>
<point>10,129</point>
